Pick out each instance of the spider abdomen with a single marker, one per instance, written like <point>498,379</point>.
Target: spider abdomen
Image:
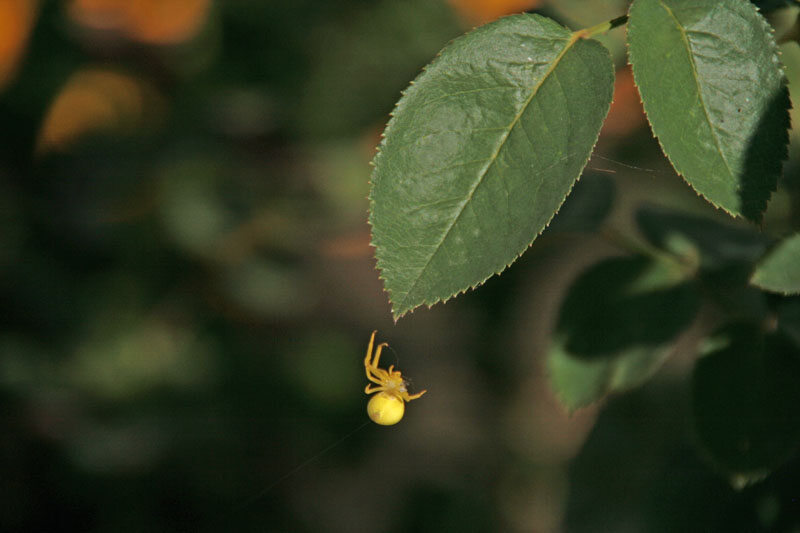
<point>386,408</point>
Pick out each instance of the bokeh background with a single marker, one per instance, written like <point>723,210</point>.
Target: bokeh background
<point>187,291</point>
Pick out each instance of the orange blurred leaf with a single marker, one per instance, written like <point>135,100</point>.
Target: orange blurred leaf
<point>147,21</point>
<point>16,21</point>
<point>165,22</point>
<point>626,114</point>
<point>94,100</point>
<point>483,11</point>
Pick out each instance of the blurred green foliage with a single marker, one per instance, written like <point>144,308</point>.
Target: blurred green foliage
<point>187,292</point>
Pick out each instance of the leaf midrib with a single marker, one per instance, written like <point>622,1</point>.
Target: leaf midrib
<point>490,162</point>
<point>696,77</point>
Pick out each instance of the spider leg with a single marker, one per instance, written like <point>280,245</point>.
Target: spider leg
<point>378,354</point>
<point>369,389</point>
<point>380,374</point>
<point>410,397</point>
<point>367,359</point>
<point>374,378</point>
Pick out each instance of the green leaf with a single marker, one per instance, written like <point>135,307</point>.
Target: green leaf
<point>481,151</point>
<point>718,244</point>
<point>745,398</point>
<point>779,270</point>
<point>725,252</point>
<point>579,382</point>
<point>715,95</point>
<point>615,327</point>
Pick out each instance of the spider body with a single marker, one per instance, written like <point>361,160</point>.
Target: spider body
<point>388,406</point>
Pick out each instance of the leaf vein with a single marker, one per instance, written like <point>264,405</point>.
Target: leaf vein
<point>696,77</point>
<point>493,157</point>
<point>470,91</point>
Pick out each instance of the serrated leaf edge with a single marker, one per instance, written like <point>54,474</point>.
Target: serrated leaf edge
<point>574,37</point>
<point>784,86</point>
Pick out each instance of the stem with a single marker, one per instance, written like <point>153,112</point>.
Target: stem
<point>687,265</point>
<point>588,33</point>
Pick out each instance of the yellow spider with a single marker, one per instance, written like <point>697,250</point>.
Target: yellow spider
<point>387,407</point>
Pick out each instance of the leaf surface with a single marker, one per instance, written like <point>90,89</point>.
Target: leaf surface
<point>481,151</point>
<point>744,398</point>
<point>715,95</point>
<point>779,271</point>
<point>719,244</point>
<point>615,327</point>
